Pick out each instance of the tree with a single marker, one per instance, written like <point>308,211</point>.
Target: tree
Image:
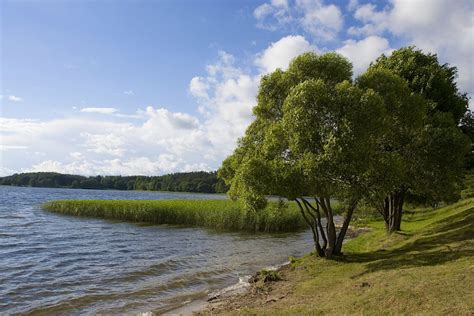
<point>426,76</point>
<point>436,82</point>
<point>404,121</point>
<point>467,126</point>
<point>418,153</point>
<point>312,136</point>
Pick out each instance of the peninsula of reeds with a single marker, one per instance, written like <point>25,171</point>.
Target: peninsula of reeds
<point>216,214</point>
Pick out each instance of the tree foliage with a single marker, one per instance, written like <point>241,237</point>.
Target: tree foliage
<point>422,149</point>
<point>426,76</point>
<point>467,126</point>
<point>312,136</point>
<point>316,134</point>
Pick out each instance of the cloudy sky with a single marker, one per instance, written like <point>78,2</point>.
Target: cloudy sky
<point>152,87</point>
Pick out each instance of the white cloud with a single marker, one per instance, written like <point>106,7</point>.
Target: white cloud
<point>322,21</point>
<point>280,53</point>
<point>99,110</point>
<point>9,125</point>
<point>352,4</point>
<point>151,145</point>
<point>170,122</point>
<point>14,98</point>
<point>263,11</point>
<point>362,53</point>
<point>226,106</point>
<point>444,27</point>
<point>76,155</point>
<point>132,166</point>
<point>11,97</point>
<point>198,87</point>
<point>314,17</point>
<point>4,171</point>
<point>110,144</point>
<point>375,22</point>
<point>280,3</point>
<point>129,92</point>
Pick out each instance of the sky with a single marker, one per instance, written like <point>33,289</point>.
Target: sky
<point>133,87</point>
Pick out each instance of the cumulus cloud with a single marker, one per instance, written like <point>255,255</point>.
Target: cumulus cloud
<point>280,53</point>
<point>444,27</point>
<point>226,96</point>
<point>159,141</point>
<point>110,144</point>
<point>362,53</point>
<point>99,110</point>
<point>198,87</point>
<point>133,166</point>
<point>129,92</point>
<point>322,21</point>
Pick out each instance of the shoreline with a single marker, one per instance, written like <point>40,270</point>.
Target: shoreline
<point>220,296</point>
<point>239,294</point>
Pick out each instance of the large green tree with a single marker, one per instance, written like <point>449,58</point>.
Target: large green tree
<point>420,151</point>
<point>312,137</point>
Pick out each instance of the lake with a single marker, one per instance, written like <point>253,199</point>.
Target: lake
<point>57,264</point>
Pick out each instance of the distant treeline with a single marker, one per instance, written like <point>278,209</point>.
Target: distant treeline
<point>201,181</point>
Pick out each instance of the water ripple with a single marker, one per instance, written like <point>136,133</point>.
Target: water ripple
<point>62,265</point>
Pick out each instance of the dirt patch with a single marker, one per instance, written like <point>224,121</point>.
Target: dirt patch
<point>261,292</point>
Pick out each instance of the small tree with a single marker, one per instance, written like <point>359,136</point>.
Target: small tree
<point>312,136</point>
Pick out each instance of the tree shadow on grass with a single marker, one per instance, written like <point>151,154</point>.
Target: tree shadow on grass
<point>450,239</point>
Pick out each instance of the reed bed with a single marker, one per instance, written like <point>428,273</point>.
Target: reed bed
<point>216,214</point>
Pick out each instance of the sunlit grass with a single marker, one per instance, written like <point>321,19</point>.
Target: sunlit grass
<point>217,214</point>
<point>427,269</point>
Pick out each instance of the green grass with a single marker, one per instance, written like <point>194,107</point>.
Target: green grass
<point>427,269</point>
<point>468,191</point>
<point>217,214</point>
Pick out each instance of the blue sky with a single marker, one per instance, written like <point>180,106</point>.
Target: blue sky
<point>151,87</point>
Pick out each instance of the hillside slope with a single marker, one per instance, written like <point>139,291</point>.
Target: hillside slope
<point>426,269</point>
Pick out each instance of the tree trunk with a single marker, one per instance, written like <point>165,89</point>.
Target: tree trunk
<point>330,227</point>
<point>331,242</point>
<point>314,228</point>
<point>399,210</point>
<point>343,231</point>
<point>393,210</point>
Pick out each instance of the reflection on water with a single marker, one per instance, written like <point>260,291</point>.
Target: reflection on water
<point>56,264</point>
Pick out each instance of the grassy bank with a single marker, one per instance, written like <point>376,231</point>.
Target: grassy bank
<point>426,269</point>
<point>217,214</point>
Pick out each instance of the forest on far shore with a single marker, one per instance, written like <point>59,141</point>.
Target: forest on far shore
<point>200,181</point>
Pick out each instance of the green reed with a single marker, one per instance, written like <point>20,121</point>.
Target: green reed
<point>217,214</point>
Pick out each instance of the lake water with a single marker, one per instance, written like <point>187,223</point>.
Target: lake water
<point>54,264</point>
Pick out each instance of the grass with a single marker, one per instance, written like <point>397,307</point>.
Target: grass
<point>217,214</point>
<point>468,191</point>
<point>427,269</point>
